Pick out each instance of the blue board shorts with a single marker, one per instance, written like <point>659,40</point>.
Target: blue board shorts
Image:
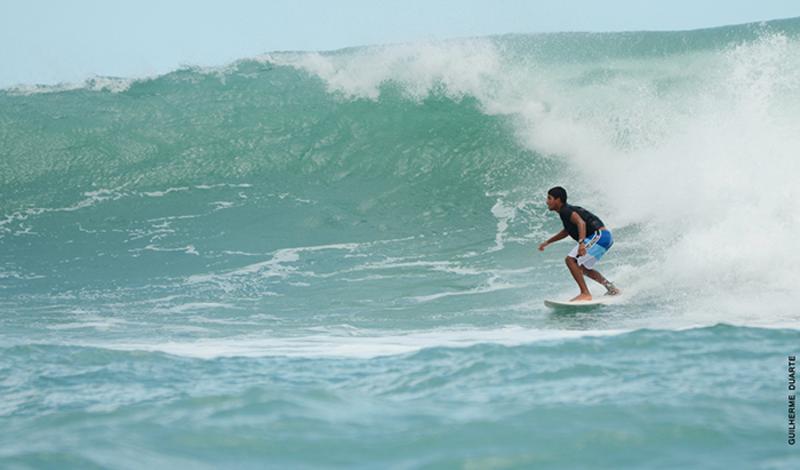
<point>596,247</point>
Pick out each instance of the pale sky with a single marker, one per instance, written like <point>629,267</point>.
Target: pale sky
<point>68,41</point>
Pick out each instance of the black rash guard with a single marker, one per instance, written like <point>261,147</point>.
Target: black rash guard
<point>593,223</point>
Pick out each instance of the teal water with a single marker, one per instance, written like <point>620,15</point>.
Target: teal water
<point>307,260</point>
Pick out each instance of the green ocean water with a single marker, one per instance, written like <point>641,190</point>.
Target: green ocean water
<point>305,260</point>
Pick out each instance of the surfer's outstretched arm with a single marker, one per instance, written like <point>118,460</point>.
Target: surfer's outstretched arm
<point>560,235</point>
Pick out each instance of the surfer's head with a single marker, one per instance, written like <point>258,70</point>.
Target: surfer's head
<point>556,197</point>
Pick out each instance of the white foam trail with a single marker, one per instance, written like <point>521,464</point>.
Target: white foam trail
<point>353,346</point>
<point>91,198</point>
<point>99,196</point>
<point>164,192</point>
<point>89,320</point>
<point>194,306</point>
<point>492,284</point>
<point>392,263</point>
<point>188,249</point>
<point>279,265</point>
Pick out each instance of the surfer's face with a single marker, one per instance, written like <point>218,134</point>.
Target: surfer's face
<point>552,203</point>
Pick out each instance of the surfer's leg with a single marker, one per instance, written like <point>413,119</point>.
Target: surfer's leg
<point>594,275</point>
<point>577,274</point>
<point>597,277</point>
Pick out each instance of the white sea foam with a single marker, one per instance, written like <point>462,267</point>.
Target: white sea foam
<point>394,263</point>
<point>88,320</point>
<point>354,344</point>
<point>462,67</point>
<point>188,249</point>
<point>195,306</point>
<point>97,83</point>
<point>90,199</point>
<point>494,283</point>
<point>505,214</point>
<point>103,195</point>
<point>279,265</point>
<point>164,192</point>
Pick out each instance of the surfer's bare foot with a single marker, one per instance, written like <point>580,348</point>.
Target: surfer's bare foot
<point>613,291</point>
<point>582,297</point>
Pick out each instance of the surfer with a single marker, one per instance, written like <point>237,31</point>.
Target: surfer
<point>593,238</point>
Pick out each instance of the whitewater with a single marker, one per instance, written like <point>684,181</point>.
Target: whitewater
<point>329,259</point>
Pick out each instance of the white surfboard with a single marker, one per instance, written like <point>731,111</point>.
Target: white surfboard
<point>580,304</point>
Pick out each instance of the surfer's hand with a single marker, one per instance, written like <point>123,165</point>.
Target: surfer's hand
<point>542,246</point>
<point>581,250</point>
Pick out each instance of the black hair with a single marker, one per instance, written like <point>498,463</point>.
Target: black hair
<point>558,193</point>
